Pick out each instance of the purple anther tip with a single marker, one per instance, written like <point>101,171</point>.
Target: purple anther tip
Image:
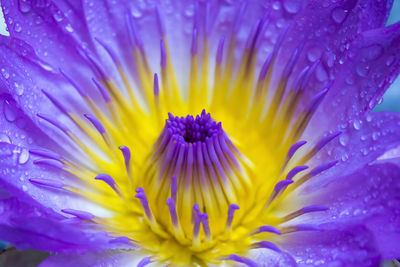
<point>232,209</point>
<point>194,42</point>
<point>107,179</point>
<point>294,148</point>
<point>295,171</point>
<point>59,125</point>
<point>126,153</point>
<point>45,153</point>
<point>54,101</point>
<point>268,245</point>
<point>47,182</point>
<point>96,123</point>
<point>220,49</point>
<point>109,51</point>
<point>84,215</point>
<point>156,88</point>
<point>322,167</point>
<point>282,184</point>
<point>139,190</point>
<point>49,162</point>
<point>121,240</point>
<point>103,91</point>
<point>266,65</point>
<point>314,208</point>
<point>327,139</point>
<point>163,60</point>
<point>144,262</point>
<point>269,229</point>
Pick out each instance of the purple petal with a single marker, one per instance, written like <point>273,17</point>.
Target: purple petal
<point>338,245</point>
<point>369,196</point>
<point>33,226</point>
<point>105,258</point>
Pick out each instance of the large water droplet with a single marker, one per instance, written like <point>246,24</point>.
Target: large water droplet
<point>4,138</point>
<point>338,15</point>
<point>136,13</point>
<point>362,69</point>
<point>372,52</point>
<point>24,6</point>
<point>344,139</point>
<point>292,6</point>
<point>10,110</point>
<point>23,156</point>
<point>58,16</point>
<point>357,124</point>
<point>314,53</point>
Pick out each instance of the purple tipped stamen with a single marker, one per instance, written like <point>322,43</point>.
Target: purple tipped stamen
<point>267,229</point>
<point>266,245</point>
<point>231,211</point>
<point>110,182</point>
<point>126,153</point>
<point>174,187</point>
<point>307,209</point>
<point>84,215</point>
<point>47,182</point>
<point>145,203</point>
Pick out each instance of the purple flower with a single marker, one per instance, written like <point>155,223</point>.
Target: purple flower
<point>199,132</point>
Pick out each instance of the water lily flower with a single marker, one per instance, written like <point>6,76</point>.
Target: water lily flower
<point>199,133</point>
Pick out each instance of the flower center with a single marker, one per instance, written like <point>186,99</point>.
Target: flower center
<point>193,181</point>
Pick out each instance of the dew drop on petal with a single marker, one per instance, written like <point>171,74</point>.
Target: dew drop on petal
<point>5,73</point>
<point>10,110</point>
<point>19,89</point>
<point>4,138</point>
<point>314,53</point>
<point>357,124</point>
<point>24,188</point>
<point>291,6</point>
<point>344,139</point>
<point>17,27</point>
<point>23,156</point>
<point>389,60</point>
<point>24,6</point>
<point>338,15</point>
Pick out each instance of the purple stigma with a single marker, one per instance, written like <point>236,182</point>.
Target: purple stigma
<point>191,130</point>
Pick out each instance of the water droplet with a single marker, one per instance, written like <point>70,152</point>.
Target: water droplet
<point>10,110</point>
<point>19,89</point>
<point>357,124</point>
<point>23,156</point>
<point>276,5</point>
<point>292,6</point>
<point>389,60</point>
<point>4,138</point>
<point>5,73</point>
<point>136,13</point>
<point>314,53</point>
<point>338,15</point>
<point>69,28</point>
<point>17,27</point>
<point>321,73</point>
<point>24,6</point>
<point>58,16</point>
<point>24,188</point>
<point>372,52</point>
<point>362,69</point>
<point>368,118</point>
<point>344,139</point>
<point>375,136</point>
